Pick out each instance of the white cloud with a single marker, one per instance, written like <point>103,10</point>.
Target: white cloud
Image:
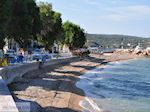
<point>138,9</point>
<point>91,2</point>
<point>114,17</point>
<point>127,13</point>
<point>116,1</point>
<point>97,2</point>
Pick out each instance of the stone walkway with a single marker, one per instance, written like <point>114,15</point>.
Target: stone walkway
<point>7,103</point>
<point>55,91</point>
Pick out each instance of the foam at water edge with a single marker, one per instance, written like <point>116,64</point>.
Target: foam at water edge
<point>94,107</point>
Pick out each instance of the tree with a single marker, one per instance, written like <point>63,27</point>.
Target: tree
<point>4,17</point>
<point>58,31</point>
<point>24,22</point>
<point>36,21</point>
<point>74,35</point>
<point>51,25</point>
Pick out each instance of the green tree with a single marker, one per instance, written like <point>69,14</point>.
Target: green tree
<point>58,31</point>
<point>24,22</point>
<point>51,25</point>
<point>4,17</point>
<point>74,35</point>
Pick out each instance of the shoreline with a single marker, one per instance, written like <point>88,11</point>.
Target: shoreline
<point>61,94</point>
<point>90,103</point>
<point>93,106</point>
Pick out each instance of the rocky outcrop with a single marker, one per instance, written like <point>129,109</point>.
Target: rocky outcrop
<point>141,52</point>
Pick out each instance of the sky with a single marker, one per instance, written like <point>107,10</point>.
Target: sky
<point>127,17</point>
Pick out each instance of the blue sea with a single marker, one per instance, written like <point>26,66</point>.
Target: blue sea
<point>117,87</point>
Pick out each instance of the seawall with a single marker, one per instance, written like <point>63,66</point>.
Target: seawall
<point>10,74</point>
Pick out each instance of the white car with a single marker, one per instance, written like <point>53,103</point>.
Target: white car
<point>38,54</point>
<point>52,56</point>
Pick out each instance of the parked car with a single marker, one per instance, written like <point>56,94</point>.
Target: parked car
<point>12,56</point>
<point>38,54</point>
<point>52,56</point>
<point>1,54</point>
<point>10,52</point>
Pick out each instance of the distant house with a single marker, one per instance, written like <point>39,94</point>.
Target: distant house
<point>10,44</point>
<point>55,48</point>
<point>148,48</point>
<point>95,47</point>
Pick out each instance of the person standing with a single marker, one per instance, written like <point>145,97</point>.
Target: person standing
<point>20,56</point>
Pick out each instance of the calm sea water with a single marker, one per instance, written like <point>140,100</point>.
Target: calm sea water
<point>119,87</point>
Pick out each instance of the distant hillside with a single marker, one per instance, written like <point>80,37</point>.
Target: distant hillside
<point>114,41</point>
